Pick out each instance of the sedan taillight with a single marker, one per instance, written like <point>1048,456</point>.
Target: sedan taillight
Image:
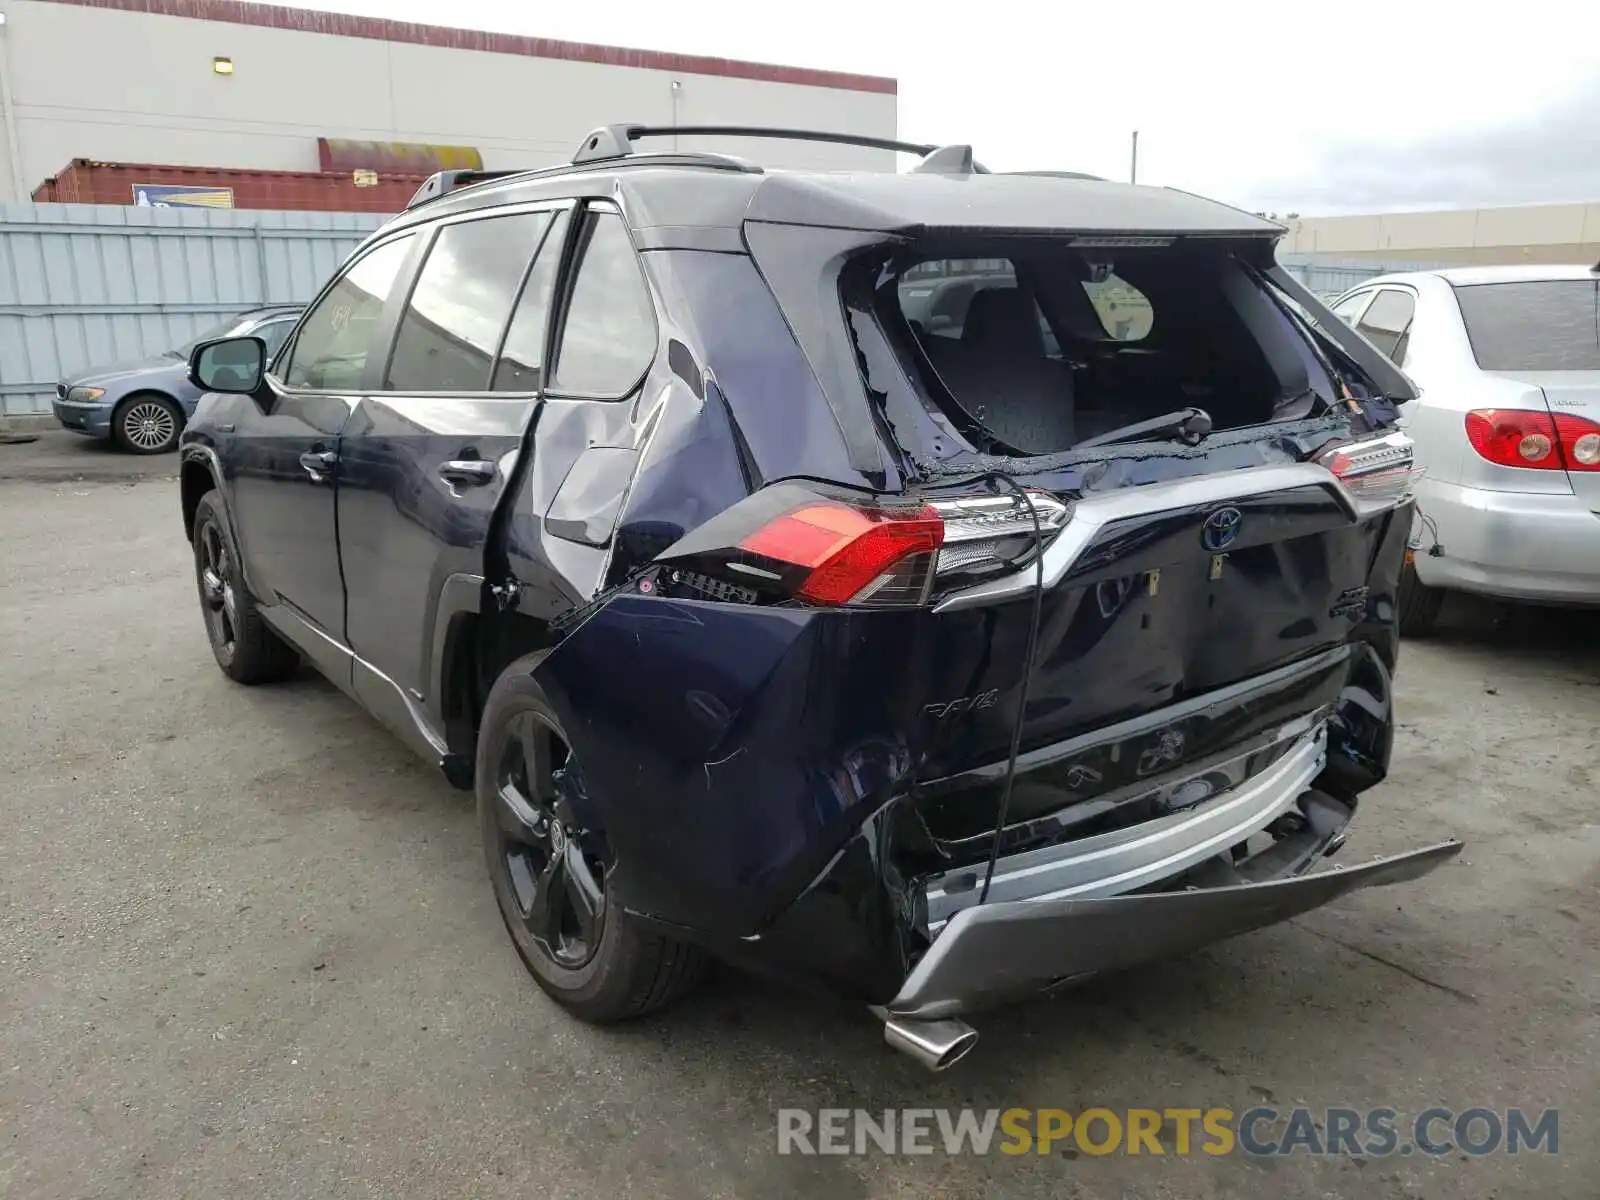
<point>1534,439</point>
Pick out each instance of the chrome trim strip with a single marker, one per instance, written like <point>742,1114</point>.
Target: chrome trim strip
<point>330,656</point>
<point>388,701</point>
<point>1110,864</point>
<point>348,671</point>
<point>1097,510</point>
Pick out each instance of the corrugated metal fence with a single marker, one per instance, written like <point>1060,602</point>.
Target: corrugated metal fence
<point>86,285</point>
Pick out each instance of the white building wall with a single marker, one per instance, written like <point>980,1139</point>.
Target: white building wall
<point>118,86</point>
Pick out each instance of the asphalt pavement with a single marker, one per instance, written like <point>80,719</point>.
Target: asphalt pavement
<point>247,947</point>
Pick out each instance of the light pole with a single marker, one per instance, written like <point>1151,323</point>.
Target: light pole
<point>1133,166</point>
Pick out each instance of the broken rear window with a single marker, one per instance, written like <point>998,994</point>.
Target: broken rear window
<point>1037,346</point>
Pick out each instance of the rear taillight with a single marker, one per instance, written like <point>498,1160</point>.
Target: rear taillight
<point>1534,439</point>
<point>1379,473</point>
<point>852,555</point>
<point>794,542</point>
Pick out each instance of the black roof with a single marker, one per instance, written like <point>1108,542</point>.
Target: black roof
<point>702,201</point>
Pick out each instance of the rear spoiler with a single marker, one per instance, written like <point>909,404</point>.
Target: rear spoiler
<point>1391,380</point>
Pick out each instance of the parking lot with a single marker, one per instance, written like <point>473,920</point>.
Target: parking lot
<point>247,947</point>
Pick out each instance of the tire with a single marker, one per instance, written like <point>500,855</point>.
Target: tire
<point>147,423</point>
<point>1418,603</point>
<point>549,872</point>
<point>245,648</point>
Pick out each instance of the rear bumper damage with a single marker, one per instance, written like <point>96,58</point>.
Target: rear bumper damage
<point>1236,862</point>
<point>995,951</point>
<point>992,951</point>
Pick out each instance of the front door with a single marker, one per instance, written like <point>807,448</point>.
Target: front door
<point>286,468</point>
<point>428,449</point>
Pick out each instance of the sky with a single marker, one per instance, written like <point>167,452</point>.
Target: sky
<point>1312,108</point>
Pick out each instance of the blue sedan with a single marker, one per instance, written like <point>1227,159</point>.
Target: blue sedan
<point>143,406</point>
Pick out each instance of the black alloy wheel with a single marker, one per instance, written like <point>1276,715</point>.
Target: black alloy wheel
<point>552,868</point>
<point>556,872</point>
<point>218,601</point>
<point>246,649</point>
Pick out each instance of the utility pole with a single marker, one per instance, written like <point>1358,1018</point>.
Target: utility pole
<point>1133,167</point>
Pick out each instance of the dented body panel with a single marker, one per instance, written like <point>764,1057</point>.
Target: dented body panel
<point>817,790</point>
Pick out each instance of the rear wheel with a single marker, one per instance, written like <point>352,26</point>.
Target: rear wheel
<point>1418,603</point>
<point>147,424</point>
<point>550,866</point>
<point>244,647</point>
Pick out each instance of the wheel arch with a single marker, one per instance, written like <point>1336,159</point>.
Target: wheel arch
<point>196,477</point>
<point>149,393</point>
<point>473,642</point>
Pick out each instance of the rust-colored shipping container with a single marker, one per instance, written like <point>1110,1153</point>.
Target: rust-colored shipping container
<point>84,181</point>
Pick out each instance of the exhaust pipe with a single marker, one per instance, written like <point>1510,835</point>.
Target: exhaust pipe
<point>935,1044</point>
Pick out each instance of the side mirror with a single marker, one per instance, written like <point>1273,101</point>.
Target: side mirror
<point>236,365</point>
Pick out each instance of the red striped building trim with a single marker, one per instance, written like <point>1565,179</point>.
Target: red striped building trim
<point>271,16</point>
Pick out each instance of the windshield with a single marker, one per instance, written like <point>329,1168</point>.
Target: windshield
<point>230,326</point>
<point>1546,325</point>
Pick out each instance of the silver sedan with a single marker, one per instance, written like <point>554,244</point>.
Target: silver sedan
<point>1507,361</point>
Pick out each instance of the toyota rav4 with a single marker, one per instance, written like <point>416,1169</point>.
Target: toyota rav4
<point>941,586</point>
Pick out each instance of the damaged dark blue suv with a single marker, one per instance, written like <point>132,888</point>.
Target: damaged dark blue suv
<point>940,586</point>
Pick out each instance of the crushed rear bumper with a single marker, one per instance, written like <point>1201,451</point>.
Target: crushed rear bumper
<point>997,951</point>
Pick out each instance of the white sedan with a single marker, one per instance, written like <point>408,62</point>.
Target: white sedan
<point>1507,425</point>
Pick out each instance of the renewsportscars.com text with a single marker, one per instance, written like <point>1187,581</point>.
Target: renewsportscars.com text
<point>1259,1132</point>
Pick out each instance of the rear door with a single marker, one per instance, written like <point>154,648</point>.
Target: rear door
<point>427,452</point>
<point>285,453</point>
<point>1386,322</point>
<point>1546,334</point>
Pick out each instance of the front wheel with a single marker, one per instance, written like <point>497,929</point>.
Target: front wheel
<point>551,864</point>
<point>148,424</point>
<point>244,647</point>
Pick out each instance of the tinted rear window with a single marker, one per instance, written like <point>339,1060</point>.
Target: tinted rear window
<point>1551,325</point>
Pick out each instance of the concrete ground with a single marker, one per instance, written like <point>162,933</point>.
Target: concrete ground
<point>247,947</point>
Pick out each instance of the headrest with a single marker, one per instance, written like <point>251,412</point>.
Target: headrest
<point>1003,318</point>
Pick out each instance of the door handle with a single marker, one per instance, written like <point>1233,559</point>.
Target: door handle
<point>468,472</point>
<point>318,463</point>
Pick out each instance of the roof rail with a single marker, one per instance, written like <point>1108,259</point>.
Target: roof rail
<point>442,182</point>
<point>616,141</point>
<point>1062,175</point>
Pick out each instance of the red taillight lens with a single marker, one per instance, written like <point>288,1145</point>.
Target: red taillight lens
<point>1580,442</point>
<point>801,541</point>
<point>1525,437</point>
<point>853,554</point>
<point>1515,437</point>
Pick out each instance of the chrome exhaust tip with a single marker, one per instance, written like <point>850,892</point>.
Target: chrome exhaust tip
<point>937,1045</point>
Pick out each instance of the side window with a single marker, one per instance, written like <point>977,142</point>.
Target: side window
<point>1387,321</point>
<point>459,306</point>
<point>331,349</point>
<point>609,334</point>
<point>1124,311</point>
<point>521,363</point>
<point>273,334</point>
<point>1351,308</point>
